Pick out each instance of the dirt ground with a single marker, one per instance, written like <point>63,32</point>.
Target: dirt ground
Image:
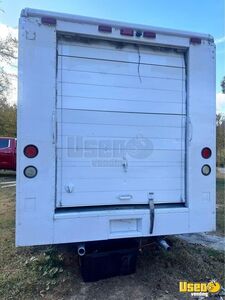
<point>53,272</point>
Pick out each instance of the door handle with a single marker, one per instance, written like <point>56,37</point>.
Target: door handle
<point>125,197</point>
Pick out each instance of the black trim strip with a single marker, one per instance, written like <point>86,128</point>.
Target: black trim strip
<point>117,207</point>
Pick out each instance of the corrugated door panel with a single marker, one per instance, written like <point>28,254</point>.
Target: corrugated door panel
<point>114,80</point>
<point>105,103</point>
<point>108,142</point>
<point>120,53</point>
<point>139,88</point>
<point>121,117</point>
<point>118,68</point>
<point>116,196</point>
<point>137,157</point>
<point>77,129</point>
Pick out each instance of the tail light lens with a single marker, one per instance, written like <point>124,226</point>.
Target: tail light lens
<point>30,151</point>
<point>206,170</point>
<point>195,40</point>
<point>105,28</point>
<point>127,31</point>
<point>48,21</point>
<point>149,34</point>
<point>30,172</point>
<point>206,152</point>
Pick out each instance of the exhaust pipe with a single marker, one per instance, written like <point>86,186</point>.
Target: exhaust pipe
<point>81,250</point>
<point>163,245</point>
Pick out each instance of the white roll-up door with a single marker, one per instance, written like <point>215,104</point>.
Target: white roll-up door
<point>121,115</point>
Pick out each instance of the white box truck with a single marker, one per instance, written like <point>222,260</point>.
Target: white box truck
<point>116,130</point>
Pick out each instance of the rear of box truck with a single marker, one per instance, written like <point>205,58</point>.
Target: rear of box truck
<point>116,130</point>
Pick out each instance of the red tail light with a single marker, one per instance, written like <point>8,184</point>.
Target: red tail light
<point>127,31</point>
<point>149,34</point>
<point>206,152</point>
<point>48,21</point>
<point>30,151</point>
<point>195,40</point>
<point>105,28</point>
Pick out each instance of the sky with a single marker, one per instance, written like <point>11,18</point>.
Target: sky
<point>204,16</point>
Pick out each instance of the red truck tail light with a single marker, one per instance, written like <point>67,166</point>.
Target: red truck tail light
<point>48,21</point>
<point>149,34</point>
<point>206,152</point>
<point>195,41</point>
<point>105,28</point>
<point>30,151</point>
<point>127,31</point>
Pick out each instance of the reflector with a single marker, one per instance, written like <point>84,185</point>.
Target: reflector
<point>30,172</point>
<point>206,170</point>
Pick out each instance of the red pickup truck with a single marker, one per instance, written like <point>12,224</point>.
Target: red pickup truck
<point>7,153</point>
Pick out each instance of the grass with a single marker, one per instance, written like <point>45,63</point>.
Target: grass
<point>23,272</point>
<point>52,272</point>
<point>220,195</point>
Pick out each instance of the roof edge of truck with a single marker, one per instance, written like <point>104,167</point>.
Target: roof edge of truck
<point>29,12</point>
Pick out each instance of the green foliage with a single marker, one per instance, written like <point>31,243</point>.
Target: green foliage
<point>223,85</point>
<point>7,119</point>
<point>8,49</point>
<point>48,265</point>
<point>220,140</point>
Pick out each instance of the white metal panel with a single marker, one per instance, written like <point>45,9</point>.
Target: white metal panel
<point>118,131</point>
<point>35,200</point>
<point>124,119</point>
<point>166,221</point>
<point>118,68</point>
<point>128,53</point>
<point>77,129</point>
<point>92,88</point>
<point>84,21</point>
<point>110,80</point>
<point>152,168</point>
<point>100,125</point>
<point>86,101</point>
<point>201,196</point>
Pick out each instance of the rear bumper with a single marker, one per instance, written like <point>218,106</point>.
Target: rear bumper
<point>114,224</point>
<point>94,225</point>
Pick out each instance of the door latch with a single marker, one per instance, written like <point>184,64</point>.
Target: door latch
<point>125,164</point>
<point>152,211</point>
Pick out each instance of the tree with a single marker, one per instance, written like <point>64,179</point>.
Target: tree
<point>220,141</point>
<point>223,85</point>
<point>7,118</point>
<point>8,47</point>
